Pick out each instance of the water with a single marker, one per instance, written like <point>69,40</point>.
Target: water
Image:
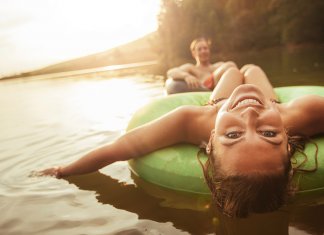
<point>55,121</point>
<point>292,65</point>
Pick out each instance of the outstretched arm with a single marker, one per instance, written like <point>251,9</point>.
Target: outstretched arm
<point>165,131</point>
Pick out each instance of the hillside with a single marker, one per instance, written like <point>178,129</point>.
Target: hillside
<point>137,51</point>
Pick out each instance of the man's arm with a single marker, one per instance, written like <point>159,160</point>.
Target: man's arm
<point>184,72</point>
<point>180,72</point>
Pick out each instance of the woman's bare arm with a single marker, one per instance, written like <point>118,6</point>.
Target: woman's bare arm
<point>305,115</point>
<point>165,131</point>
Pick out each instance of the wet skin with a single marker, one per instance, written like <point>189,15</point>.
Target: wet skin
<point>249,133</point>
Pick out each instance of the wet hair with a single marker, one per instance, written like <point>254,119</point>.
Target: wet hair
<point>258,192</point>
<point>195,42</point>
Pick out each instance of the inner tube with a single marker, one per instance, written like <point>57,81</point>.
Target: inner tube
<point>173,86</point>
<point>177,167</point>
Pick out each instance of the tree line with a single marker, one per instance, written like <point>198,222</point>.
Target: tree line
<point>236,25</point>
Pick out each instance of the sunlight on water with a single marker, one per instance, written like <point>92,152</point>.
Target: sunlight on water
<point>65,117</point>
<point>51,122</point>
<point>55,121</point>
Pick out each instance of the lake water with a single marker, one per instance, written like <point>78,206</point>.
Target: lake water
<point>49,122</point>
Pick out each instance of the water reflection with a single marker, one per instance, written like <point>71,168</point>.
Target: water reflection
<point>308,219</point>
<point>53,122</point>
<point>265,224</point>
<point>136,199</point>
<point>195,214</point>
<point>288,66</point>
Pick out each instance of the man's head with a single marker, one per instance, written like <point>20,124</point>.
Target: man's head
<point>200,50</point>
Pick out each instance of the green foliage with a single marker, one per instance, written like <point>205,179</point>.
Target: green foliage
<point>237,25</point>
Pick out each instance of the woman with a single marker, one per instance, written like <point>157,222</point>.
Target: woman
<point>245,132</point>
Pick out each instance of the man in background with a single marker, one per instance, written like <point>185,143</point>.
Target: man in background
<point>202,76</point>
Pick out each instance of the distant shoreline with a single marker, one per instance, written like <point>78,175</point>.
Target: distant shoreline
<point>129,55</point>
<point>86,71</point>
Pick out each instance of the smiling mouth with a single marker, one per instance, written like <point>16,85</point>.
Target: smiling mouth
<point>247,102</point>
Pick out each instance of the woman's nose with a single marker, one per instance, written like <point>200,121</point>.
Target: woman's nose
<point>250,112</point>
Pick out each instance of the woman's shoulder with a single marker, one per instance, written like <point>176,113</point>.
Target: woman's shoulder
<point>304,103</point>
<point>200,121</point>
<point>304,114</point>
<point>197,112</point>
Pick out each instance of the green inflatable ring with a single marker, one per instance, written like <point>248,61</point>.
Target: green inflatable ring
<point>177,167</point>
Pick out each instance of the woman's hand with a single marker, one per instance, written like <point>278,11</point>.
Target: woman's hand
<point>54,172</point>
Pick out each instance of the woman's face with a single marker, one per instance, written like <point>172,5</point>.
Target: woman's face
<point>249,133</point>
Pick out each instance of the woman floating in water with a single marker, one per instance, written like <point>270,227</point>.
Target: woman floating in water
<point>248,136</point>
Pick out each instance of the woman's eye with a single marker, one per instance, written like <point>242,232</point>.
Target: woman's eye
<point>234,135</point>
<point>269,133</point>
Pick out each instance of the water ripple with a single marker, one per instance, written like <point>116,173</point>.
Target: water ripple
<point>48,123</point>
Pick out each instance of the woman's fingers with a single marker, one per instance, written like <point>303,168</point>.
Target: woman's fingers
<point>54,172</point>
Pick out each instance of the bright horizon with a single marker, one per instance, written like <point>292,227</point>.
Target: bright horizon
<point>38,33</point>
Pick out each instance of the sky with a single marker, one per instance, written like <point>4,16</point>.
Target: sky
<point>38,33</point>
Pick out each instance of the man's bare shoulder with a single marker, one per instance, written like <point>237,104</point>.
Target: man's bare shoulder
<point>217,64</point>
<point>186,66</point>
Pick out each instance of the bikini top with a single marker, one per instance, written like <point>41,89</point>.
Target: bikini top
<point>216,101</point>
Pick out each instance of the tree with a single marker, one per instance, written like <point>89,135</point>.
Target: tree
<point>236,25</point>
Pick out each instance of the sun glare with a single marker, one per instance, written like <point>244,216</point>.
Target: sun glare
<point>47,31</point>
<point>107,104</point>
